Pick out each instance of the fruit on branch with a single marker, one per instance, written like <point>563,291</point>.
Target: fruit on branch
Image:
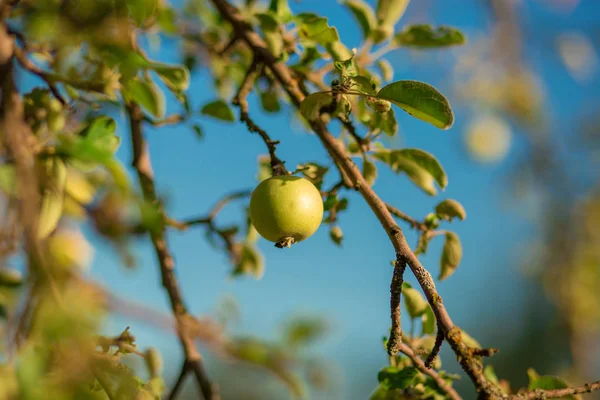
<point>286,209</point>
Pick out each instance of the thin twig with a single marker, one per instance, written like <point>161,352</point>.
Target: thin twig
<point>395,311</point>
<point>420,365</point>
<point>241,100</point>
<point>141,163</point>
<point>26,63</point>
<point>413,222</point>
<point>439,340</point>
<point>168,120</point>
<point>555,393</point>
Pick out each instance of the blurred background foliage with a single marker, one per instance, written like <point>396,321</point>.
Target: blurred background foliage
<point>500,79</point>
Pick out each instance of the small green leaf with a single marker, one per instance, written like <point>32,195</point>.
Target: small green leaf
<point>348,67</point>
<point>369,171</point>
<point>301,331</point>
<point>218,109</point>
<point>146,94</point>
<point>416,305</point>
<point>363,84</point>
<point>449,209</point>
<point>271,32</point>
<point>548,382</point>
<point>490,374</point>
<point>338,51</point>
<point>269,101</point>
<point>250,263</point>
<point>417,173</point>
<point>451,255</point>
<point>312,104</point>
<point>394,378</point>
<point>177,78</point>
<point>314,172</point>
<point>428,37</point>
<point>10,277</point>
<point>389,13</point>
<point>364,15</point>
<point>336,234</point>
<point>426,161</point>
<point>428,321</point>
<point>282,10</point>
<point>55,172</point>
<point>198,131</point>
<point>385,68</point>
<point>8,179</point>
<point>420,100</point>
<point>316,29</point>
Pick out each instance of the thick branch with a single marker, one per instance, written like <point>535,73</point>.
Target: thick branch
<point>420,365</point>
<point>336,149</point>
<point>141,163</point>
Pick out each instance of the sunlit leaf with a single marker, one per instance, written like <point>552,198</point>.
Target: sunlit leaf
<point>369,171</point>
<point>55,173</point>
<point>336,234</point>
<point>449,209</point>
<point>395,378</point>
<point>364,15</point>
<point>420,100</point>
<point>426,161</point>
<point>146,94</point>
<point>316,29</point>
<point>548,382</point>
<point>281,9</point>
<point>218,109</point>
<point>313,103</point>
<point>416,305</point>
<point>427,37</point>
<point>451,255</point>
<point>271,32</point>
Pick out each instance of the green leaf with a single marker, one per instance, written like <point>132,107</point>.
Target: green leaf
<point>451,255</point>
<point>314,172</point>
<point>146,94</point>
<point>282,10</point>
<point>364,15</point>
<point>336,234</point>
<point>490,374</point>
<point>176,78</point>
<point>449,209</point>
<point>394,378</point>
<point>251,262</point>
<point>385,68</point>
<point>8,179</point>
<point>10,277</point>
<point>338,51</point>
<point>385,121</point>
<point>428,321</point>
<point>269,101</point>
<point>428,37</point>
<point>399,163</point>
<point>363,84</point>
<point>416,305</point>
<point>218,109</point>
<point>271,32</point>
<point>369,171</point>
<point>316,29</point>
<point>547,382</point>
<point>312,104</point>
<point>389,13</point>
<point>55,172</point>
<point>420,100</point>
<point>302,331</point>
<point>198,131</point>
<point>348,67</point>
<point>96,143</point>
<point>426,161</point>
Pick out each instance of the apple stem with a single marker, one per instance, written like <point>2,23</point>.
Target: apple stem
<point>287,241</point>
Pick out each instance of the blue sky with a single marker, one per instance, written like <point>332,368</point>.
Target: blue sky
<point>349,285</point>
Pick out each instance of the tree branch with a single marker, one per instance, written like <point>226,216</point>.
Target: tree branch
<point>395,310</point>
<point>241,100</point>
<point>420,365</point>
<point>555,393</point>
<point>439,340</point>
<point>141,163</point>
<point>470,364</point>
